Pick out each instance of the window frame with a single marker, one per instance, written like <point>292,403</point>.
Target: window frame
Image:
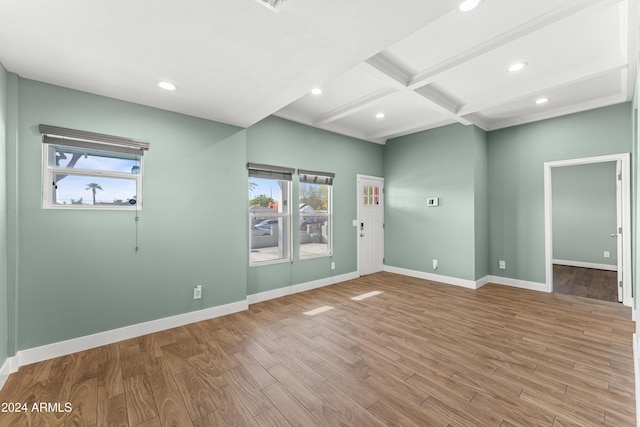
<point>269,215</point>
<point>328,215</point>
<point>49,171</point>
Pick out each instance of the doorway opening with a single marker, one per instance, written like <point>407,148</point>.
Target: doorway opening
<point>592,261</point>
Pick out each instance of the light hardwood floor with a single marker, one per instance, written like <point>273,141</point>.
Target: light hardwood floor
<point>419,354</point>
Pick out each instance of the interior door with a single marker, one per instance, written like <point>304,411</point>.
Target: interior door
<point>370,224</point>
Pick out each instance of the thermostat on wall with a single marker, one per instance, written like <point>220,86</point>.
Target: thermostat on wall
<point>433,201</point>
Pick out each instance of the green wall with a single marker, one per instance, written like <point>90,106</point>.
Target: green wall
<point>283,143</point>
<point>448,163</point>
<point>78,272</point>
<point>584,213</point>
<point>75,273</point>
<point>516,179</point>
<point>4,329</point>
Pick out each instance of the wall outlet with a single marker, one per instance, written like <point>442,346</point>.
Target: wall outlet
<point>333,265</point>
<point>435,264</point>
<point>502,265</point>
<point>197,292</point>
<point>607,254</point>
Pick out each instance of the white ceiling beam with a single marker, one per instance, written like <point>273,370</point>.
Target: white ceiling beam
<point>563,11</point>
<point>352,107</point>
<point>557,82</point>
<point>443,102</point>
<point>388,70</point>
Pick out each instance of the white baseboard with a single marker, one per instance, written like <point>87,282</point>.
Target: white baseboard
<point>62,348</point>
<point>517,283</point>
<point>7,369</point>
<point>302,287</point>
<point>471,284</point>
<point>608,267</point>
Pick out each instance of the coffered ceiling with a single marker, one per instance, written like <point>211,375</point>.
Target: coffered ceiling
<point>423,64</point>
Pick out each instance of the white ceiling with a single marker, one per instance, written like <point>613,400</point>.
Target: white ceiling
<point>423,63</point>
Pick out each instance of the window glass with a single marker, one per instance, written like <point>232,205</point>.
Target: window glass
<point>314,220</point>
<point>69,157</point>
<point>76,178</point>
<point>270,220</point>
<point>93,190</point>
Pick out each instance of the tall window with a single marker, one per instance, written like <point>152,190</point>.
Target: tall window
<point>314,196</point>
<point>83,171</point>
<point>269,214</point>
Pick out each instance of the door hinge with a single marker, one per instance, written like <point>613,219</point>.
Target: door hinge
<point>619,176</point>
<point>383,225</point>
<point>620,284</point>
<point>383,260</point>
<point>619,230</point>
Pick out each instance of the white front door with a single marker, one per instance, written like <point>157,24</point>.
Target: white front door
<point>370,226</point>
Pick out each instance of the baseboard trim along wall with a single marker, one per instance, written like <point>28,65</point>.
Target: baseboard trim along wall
<point>6,369</point>
<point>302,287</point>
<point>608,267</point>
<point>517,283</point>
<point>471,284</point>
<point>62,348</point>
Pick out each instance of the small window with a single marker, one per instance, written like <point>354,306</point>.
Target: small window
<point>81,172</point>
<point>315,206</point>
<point>269,214</point>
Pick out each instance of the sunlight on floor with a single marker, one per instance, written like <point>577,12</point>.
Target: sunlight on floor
<point>367,295</point>
<point>318,310</point>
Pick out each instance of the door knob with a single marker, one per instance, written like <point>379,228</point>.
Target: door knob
<point>361,234</point>
<point>614,235</point>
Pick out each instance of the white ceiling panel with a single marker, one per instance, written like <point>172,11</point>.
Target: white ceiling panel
<point>352,85</point>
<point>568,99</point>
<point>458,32</point>
<point>569,45</point>
<point>424,63</point>
<point>400,109</point>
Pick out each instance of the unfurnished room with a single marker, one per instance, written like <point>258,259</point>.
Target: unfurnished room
<point>319,213</point>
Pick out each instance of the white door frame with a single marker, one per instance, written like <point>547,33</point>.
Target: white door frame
<point>625,203</point>
<point>357,234</point>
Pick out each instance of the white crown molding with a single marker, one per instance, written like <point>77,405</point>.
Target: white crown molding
<point>410,127</point>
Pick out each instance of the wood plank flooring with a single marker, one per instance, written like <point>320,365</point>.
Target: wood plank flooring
<point>585,282</point>
<point>418,354</point>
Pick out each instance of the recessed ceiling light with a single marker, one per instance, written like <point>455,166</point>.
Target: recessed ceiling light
<point>316,91</point>
<point>275,5</point>
<point>167,86</point>
<point>468,5</point>
<point>542,100</point>
<point>516,67</point>
<point>380,116</point>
